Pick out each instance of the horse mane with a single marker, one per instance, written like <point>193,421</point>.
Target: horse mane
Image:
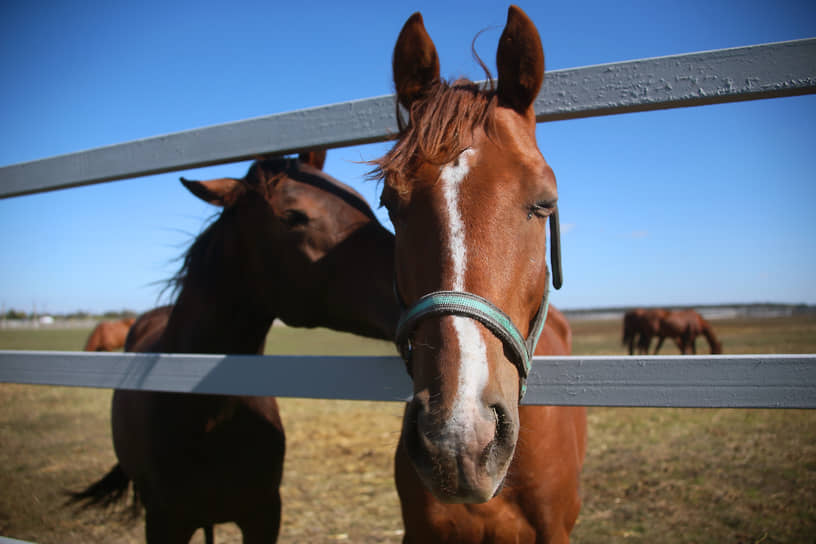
<point>208,246</point>
<point>440,127</point>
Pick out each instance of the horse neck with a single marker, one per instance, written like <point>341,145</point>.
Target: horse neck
<point>708,332</point>
<point>204,321</point>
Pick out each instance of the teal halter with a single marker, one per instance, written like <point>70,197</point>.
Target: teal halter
<point>518,349</point>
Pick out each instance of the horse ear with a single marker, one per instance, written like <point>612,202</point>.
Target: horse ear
<point>315,157</point>
<point>520,61</point>
<point>415,62</point>
<point>219,192</point>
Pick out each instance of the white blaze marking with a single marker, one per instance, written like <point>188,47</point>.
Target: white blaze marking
<point>473,370</point>
<point>452,176</point>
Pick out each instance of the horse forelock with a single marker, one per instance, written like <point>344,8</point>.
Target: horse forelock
<point>264,174</point>
<point>441,127</point>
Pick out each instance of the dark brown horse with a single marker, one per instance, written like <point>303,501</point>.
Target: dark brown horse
<point>640,326</point>
<point>109,335</point>
<point>470,194</point>
<point>147,329</point>
<point>292,243</point>
<point>684,326</point>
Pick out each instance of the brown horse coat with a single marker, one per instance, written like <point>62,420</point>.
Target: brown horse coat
<point>684,326</point>
<point>147,329</point>
<point>109,335</point>
<point>640,326</point>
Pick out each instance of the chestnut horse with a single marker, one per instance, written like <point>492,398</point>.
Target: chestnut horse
<point>292,243</point>
<point>640,326</point>
<point>684,326</point>
<point>109,335</point>
<point>469,194</point>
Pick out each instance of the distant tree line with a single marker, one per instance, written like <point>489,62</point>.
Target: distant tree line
<point>17,314</point>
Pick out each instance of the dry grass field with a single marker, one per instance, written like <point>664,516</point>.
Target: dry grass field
<point>651,475</point>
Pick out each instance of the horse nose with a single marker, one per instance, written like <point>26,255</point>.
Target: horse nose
<point>458,457</point>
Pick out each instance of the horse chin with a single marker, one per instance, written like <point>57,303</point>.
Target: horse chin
<point>469,494</point>
<point>452,484</point>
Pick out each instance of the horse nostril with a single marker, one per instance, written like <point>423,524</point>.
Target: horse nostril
<point>414,429</point>
<point>504,426</point>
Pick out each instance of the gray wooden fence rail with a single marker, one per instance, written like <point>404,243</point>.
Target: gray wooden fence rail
<point>728,75</point>
<point>734,381</point>
<point>694,79</point>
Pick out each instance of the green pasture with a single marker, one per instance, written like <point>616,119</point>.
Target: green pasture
<point>280,341</point>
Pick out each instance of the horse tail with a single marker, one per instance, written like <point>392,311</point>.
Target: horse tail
<point>708,332</point>
<point>106,492</point>
<point>209,535</point>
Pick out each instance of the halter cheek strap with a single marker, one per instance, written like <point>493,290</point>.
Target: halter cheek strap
<point>519,350</point>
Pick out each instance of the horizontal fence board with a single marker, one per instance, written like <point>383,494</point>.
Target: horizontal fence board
<point>694,79</point>
<point>713,381</point>
<point>348,123</point>
<point>736,381</point>
<point>5,540</point>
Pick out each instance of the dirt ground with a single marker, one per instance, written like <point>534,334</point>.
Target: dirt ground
<point>651,475</point>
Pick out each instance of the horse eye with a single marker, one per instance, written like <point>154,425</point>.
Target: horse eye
<point>541,209</point>
<point>294,218</point>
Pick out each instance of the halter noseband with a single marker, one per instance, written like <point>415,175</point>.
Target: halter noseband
<point>461,303</point>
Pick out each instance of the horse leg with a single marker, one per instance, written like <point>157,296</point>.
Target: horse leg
<point>644,343</point>
<point>687,340</point>
<point>163,528</point>
<point>683,344</point>
<point>262,526</point>
<point>659,344</point>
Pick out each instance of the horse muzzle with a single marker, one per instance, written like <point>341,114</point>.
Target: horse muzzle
<point>460,461</point>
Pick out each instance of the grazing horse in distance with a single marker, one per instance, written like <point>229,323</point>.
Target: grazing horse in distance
<point>640,326</point>
<point>290,243</point>
<point>109,335</point>
<point>684,326</point>
<point>470,194</point>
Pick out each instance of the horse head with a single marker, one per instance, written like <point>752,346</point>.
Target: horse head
<point>300,246</point>
<point>469,194</point>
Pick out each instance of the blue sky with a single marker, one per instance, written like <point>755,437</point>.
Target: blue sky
<point>692,206</point>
